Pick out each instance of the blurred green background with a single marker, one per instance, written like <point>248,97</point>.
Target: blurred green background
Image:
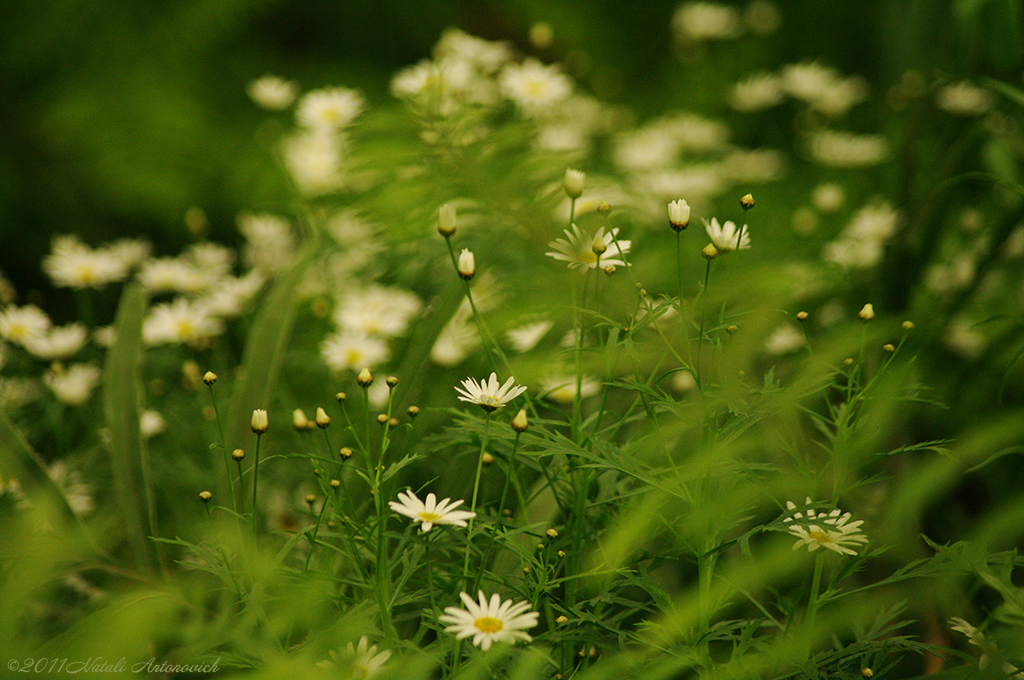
<point>119,116</point>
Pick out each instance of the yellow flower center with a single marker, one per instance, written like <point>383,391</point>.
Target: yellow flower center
<point>820,536</point>
<point>588,256</point>
<point>428,516</point>
<point>488,624</point>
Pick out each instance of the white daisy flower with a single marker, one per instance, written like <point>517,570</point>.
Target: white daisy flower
<point>272,93</point>
<point>965,99</point>
<point>429,513</point>
<point>17,324</point>
<point>377,310</point>
<point>491,621</point>
<point>562,388</point>
<point>177,275</point>
<point>534,87</point>
<point>270,243</point>
<point>848,150</point>
<point>831,530</point>
<point>364,660</point>
<point>180,321</point>
<point>726,236</point>
<point>353,350</point>
<point>487,394</point>
<point>58,343</point>
<point>700,21</point>
<point>578,248</point>
<point>329,109</point>
<point>72,264</point>
<point>73,385</point>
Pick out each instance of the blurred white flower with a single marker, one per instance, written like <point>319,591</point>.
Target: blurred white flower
<point>314,161</point>
<point>700,21</point>
<point>524,338</point>
<point>180,322</point>
<point>151,423</point>
<point>73,384</point>
<point>823,88</point>
<point>784,340</point>
<point>72,264</point>
<point>330,109</point>
<point>456,340</point>
<point>487,56</point>
<point>229,296</point>
<point>176,275</point>
<point>562,388</point>
<point>964,98</point>
<point>848,150</point>
<point>756,93</point>
<point>534,87</point>
<point>270,245</point>
<point>828,197</point>
<point>58,342</point>
<point>272,93</point>
<point>353,351</point>
<point>377,310</point>
<point>20,323</point>
<point>364,661</point>
<point>77,493</point>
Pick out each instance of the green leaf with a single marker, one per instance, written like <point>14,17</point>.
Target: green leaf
<point>121,407</point>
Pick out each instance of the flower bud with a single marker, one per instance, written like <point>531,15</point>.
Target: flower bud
<point>238,454</point>
<point>573,183</point>
<point>562,619</point>
<point>365,378</point>
<point>322,419</point>
<point>801,316</point>
<point>299,420</point>
<point>209,377</point>
<point>608,269</point>
<point>867,313</point>
<point>908,325</point>
<point>345,453</point>
<point>391,381</point>
<point>889,348</point>
<point>205,496</point>
<point>335,483</point>
<point>552,533</point>
<point>382,418</point>
<point>599,247</point>
<point>519,423</point>
<point>260,423</point>
<point>679,214</point>
<point>310,499</point>
<point>731,330</point>
<point>467,265</point>
<point>747,202</point>
<point>710,252</point>
<point>413,411</point>
<point>487,458</point>
<point>340,397</point>
<point>604,208</point>
<point>446,220</point>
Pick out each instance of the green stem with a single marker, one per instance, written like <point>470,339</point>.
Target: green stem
<point>813,604</point>
<point>472,507</point>
<point>255,480</point>
<point>700,336</point>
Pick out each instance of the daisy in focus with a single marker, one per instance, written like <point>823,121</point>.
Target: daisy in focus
<point>487,393</point>
<point>832,530</point>
<point>725,236</point>
<point>578,248</point>
<point>491,621</point>
<point>431,512</point>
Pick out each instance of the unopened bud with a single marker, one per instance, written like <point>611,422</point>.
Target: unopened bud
<point>446,220</point>
<point>382,418</point>
<point>391,381</point>
<point>562,619</point>
<point>392,422</point>
<point>573,183</point>
<point>679,215</point>
<point>322,419</point>
<point>205,496</point>
<point>888,347</point>
<point>413,411</point>
<point>335,483</point>
<point>345,453</point>
<point>310,499</point>
<point>747,202</point>
<point>801,316</point>
<point>731,330</point>
<point>209,377</point>
<point>907,325</point>
<point>520,423</point>
<point>365,378</point>
<point>710,252</point>
<point>552,533</point>
<point>608,269</point>
<point>299,420</point>
<point>867,313</point>
<point>847,361</point>
<point>599,247</point>
<point>259,423</point>
<point>340,397</point>
<point>487,458</point>
<point>561,553</point>
<point>467,264</point>
<point>238,454</point>
<point>867,672</point>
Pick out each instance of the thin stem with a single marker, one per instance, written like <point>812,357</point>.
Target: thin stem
<point>224,448</point>
<point>700,336</point>
<point>472,507</point>
<point>255,480</point>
